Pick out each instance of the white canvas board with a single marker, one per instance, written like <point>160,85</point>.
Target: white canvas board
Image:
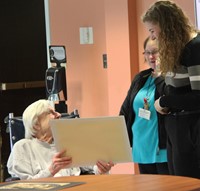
<point>87,140</point>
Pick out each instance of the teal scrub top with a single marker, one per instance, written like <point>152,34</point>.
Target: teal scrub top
<point>145,148</point>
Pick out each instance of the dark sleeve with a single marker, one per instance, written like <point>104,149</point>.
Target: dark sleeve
<point>127,110</point>
<point>124,110</point>
<point>191,99</point>
<point>160,90</point>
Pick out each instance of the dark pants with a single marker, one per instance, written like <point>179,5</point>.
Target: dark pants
<point>154,168</point>
<point>183,144</point>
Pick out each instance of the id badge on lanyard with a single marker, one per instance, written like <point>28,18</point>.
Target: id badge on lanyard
<point>144,112</point>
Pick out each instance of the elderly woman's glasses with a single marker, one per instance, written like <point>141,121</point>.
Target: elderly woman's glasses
<point>148,53</point>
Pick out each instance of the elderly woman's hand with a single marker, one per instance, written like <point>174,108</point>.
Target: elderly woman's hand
<point>104,167</point>
<point>59,161</point>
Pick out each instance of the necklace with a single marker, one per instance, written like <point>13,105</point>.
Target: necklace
<point>146,98</point>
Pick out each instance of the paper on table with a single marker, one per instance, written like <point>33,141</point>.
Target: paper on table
<point>39,186</point>
<point>90,139</point>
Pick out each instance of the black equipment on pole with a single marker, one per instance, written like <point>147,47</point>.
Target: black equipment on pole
<point>56,86</point>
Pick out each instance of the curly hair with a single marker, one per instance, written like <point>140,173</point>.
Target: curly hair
<point>175,33</point>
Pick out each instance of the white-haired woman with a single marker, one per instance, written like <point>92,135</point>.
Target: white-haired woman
<point>35,156</point>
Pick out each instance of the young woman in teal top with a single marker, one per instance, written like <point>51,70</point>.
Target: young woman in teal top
<point>145,126</point>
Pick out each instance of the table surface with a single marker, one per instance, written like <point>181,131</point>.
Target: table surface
<point>129,182</point>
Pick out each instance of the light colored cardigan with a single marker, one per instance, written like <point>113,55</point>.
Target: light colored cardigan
<point>31,158</point>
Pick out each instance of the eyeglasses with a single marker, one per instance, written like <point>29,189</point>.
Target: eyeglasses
<point>148,53</point>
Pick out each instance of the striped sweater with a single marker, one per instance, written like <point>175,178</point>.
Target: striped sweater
<point>183,88</point>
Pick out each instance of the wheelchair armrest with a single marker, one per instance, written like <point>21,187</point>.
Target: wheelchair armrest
<point>73,114</point>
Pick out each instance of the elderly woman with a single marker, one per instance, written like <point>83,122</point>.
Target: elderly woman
<point>35,156</point>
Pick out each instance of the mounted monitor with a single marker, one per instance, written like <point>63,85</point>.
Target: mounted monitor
<point>57,54</point>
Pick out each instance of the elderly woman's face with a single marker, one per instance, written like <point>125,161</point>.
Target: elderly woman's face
<point>44,120</point>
